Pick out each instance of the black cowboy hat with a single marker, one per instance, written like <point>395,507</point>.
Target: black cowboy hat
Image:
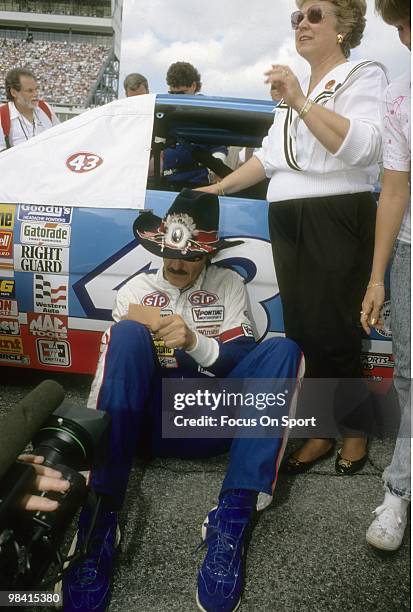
<point>189,228</point>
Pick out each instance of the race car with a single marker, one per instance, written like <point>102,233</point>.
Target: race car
<point>61,263</point>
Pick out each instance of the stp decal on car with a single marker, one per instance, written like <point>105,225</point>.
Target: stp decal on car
<point>202,298</point>
<point>47,214</point>
<point>39,258</point>
<point>50,293</point>
<point>53,352</point>
<point>45,233</point>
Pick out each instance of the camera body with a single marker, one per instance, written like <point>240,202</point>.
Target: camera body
<point>71,440</point>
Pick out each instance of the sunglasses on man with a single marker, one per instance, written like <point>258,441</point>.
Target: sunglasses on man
<point>314,14</point>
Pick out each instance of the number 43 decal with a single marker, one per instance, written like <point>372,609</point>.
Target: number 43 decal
<point>83,162</point>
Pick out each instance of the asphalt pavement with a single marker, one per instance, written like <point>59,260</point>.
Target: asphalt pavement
<point>307,552</point>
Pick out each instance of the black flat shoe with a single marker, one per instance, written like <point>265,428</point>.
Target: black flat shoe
<point>295,466</point>
<point>346,467</point>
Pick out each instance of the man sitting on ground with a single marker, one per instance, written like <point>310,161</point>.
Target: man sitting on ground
<point>128,384</point>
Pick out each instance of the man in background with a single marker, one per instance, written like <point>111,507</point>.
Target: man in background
<point>24,115</point>
<point>135,84</point>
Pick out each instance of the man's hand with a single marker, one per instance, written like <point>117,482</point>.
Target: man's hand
<point>175,333</point>
<point>370,308</point>
<point>47,479</point>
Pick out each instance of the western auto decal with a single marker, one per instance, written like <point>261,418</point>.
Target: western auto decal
<point>53,352</point>
<point>39,258</point>
<point>202,298</point>
<point>47,326</point>
<point>83,162</point>
<point>50,294</point>
<point>46,214</point>
<point>156,298</point>
<point>45,233</point>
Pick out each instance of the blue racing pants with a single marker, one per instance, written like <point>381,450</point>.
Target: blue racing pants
<point>131,392</point>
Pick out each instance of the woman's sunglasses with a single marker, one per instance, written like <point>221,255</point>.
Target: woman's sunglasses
<point>314,14</point>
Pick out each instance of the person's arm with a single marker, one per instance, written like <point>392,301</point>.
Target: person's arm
<point>353,134</point>
<point>250,173</point>
<point>393,201</point>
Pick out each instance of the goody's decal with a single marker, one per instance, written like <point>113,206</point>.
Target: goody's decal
<point>50,293</point>
<point>45,233</point>
<point>47,214</point>
<point>39,258</point>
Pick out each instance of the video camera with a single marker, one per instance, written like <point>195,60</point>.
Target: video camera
<point>71,439</point>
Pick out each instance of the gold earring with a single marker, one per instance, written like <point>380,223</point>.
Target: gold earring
<point>340,39</point>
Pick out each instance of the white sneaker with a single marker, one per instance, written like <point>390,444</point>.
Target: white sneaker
<point>387,530</point>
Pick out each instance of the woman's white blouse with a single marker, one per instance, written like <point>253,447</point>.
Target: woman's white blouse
<point>298,164</point>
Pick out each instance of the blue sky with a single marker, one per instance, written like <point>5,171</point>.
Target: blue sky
<point>231,42</point>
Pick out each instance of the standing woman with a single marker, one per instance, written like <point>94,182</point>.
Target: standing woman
<point>321,155</point>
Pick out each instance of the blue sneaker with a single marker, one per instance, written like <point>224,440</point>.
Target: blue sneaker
<point>221,577</point>
<point>86,584</point>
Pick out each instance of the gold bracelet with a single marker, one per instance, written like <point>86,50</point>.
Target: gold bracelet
<point>372,285</point>
<point>221,191</point>
<point>305,108</point>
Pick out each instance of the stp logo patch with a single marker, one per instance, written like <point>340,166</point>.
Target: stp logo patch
<point>202,298</point>
<point>156,298</point>
<point>83,162</point>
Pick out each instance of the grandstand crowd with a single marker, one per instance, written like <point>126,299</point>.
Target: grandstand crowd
<point>65,71</point>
